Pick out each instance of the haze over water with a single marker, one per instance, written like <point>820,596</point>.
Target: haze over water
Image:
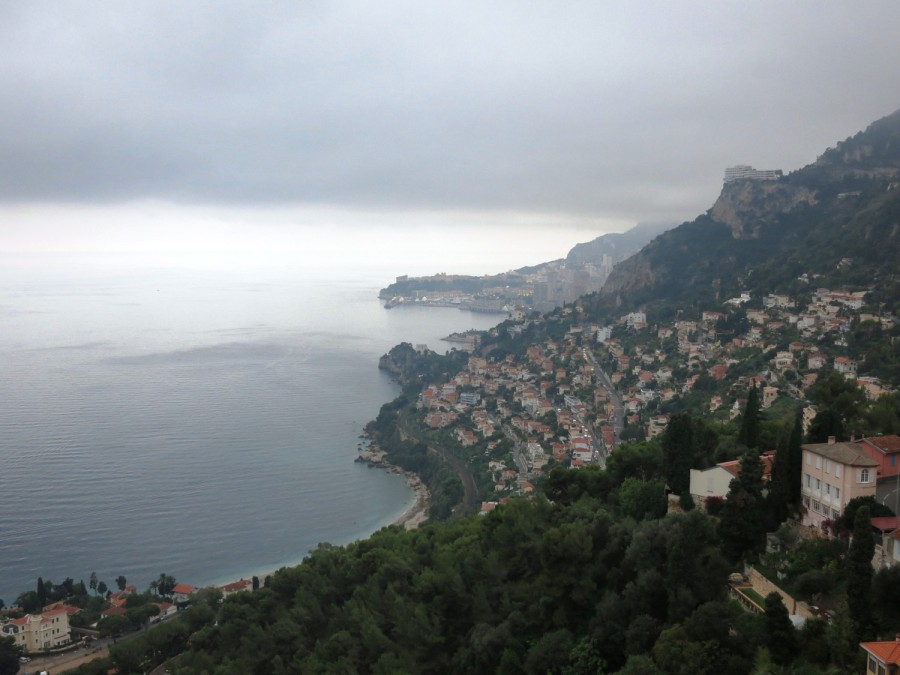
<point>197,423</point>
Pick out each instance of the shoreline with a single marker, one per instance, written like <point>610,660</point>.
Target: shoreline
<point>417,513</point>
<point>411,518</point>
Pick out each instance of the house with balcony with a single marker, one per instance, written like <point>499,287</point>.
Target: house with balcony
<point>832,474</point>
<point>887,541</point>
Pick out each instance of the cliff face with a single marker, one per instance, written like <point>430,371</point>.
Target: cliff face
<point>760,235</point>
<point>746,206</point>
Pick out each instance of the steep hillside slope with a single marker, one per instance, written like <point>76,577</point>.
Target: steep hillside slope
<point>836,220</point>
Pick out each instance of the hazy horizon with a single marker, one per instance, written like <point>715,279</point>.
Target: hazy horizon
<point>168,127</point>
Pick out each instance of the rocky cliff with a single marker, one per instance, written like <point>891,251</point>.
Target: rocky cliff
<point>760,235</point>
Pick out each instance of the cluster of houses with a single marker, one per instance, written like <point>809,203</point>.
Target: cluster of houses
<point>537,402</point>
<point>833,473</point>
<point>51,629</point>
<point>552,404</point>
<point>654,364</point>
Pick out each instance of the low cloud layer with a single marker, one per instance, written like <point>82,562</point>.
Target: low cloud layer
<point>589,109</point>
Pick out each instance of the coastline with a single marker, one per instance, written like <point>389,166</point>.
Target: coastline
<point>414,516</point>
<point>417,513</point>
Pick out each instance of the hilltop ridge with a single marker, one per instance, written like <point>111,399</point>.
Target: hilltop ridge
<point>760,235</point>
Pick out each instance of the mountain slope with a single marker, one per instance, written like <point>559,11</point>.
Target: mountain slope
<point>616,245</point>
<point>838,218</point>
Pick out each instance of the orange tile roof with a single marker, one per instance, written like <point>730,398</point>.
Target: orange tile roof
<point>887,444</point>
<point>886,652</point>
<point>187,589</point>
<point>886,523</point>
<point>236,586</point>
<point>766,458</point>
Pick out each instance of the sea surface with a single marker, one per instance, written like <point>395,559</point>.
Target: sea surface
<point>201,424</point>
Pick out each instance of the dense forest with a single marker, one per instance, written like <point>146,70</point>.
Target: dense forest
<point>572,584</point>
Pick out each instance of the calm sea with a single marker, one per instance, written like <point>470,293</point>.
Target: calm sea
<point>200,424</point>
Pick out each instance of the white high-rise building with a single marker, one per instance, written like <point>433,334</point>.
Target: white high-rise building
<point>742,171</point>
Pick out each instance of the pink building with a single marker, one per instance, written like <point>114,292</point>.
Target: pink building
<point>833,474</point>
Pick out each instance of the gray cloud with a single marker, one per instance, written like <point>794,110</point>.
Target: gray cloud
<point>597,110</point>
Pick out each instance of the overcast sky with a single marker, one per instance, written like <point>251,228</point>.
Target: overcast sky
<point>573,114</point>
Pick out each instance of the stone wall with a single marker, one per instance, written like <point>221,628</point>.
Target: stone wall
<point>763,586</point>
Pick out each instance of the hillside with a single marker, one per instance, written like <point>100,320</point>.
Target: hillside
<point>616,245</point>
<point>836,220</point>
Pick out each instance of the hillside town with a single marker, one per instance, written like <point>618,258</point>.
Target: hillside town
<point>569,401</point>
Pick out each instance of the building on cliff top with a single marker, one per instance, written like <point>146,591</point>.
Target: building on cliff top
<point>741,171</point>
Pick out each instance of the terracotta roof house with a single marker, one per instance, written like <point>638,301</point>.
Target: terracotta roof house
<point>714,482</point>
<point>882,658</point>
<point>35,632</point>
<point>182,592</point>
<point>236,587</point>
<point>885,450</point>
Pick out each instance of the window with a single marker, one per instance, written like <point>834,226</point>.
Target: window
<point>837,493</point>
<point>806,501</point>
<point>827,466</point>
<point>835,514</point>
<point>808,458</point>
<point>871,664</point>
<point>818,485</point>
<point>837,470</point>
<point>808,479</point>
<point>863,476</point>
<point>818,462</point>
<point>816,505</point>
<point>827,489</point>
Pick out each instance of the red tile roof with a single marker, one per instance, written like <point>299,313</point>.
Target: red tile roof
<point>886,652</point>
<point>887,444</point>
<point>236,586</point>
<point>886,523</point>
<point>767,458</point>
<point>186,589</point>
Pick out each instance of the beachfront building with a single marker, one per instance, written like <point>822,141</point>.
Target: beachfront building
<point>181,593</point>
<point>37,632</point>
<point>832,474</point>
<point>236,587</point>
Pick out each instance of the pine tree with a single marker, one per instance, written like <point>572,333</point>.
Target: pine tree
<point>778,498</point>
<point>780,636</point>
<point>41,592</point>
<point>795,460</point>
<point>678,452</point>
<point>743,523</point>
<point>749,434</point>
<point>859,574</point>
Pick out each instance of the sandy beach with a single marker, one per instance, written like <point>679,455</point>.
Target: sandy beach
<point>416,514</point>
